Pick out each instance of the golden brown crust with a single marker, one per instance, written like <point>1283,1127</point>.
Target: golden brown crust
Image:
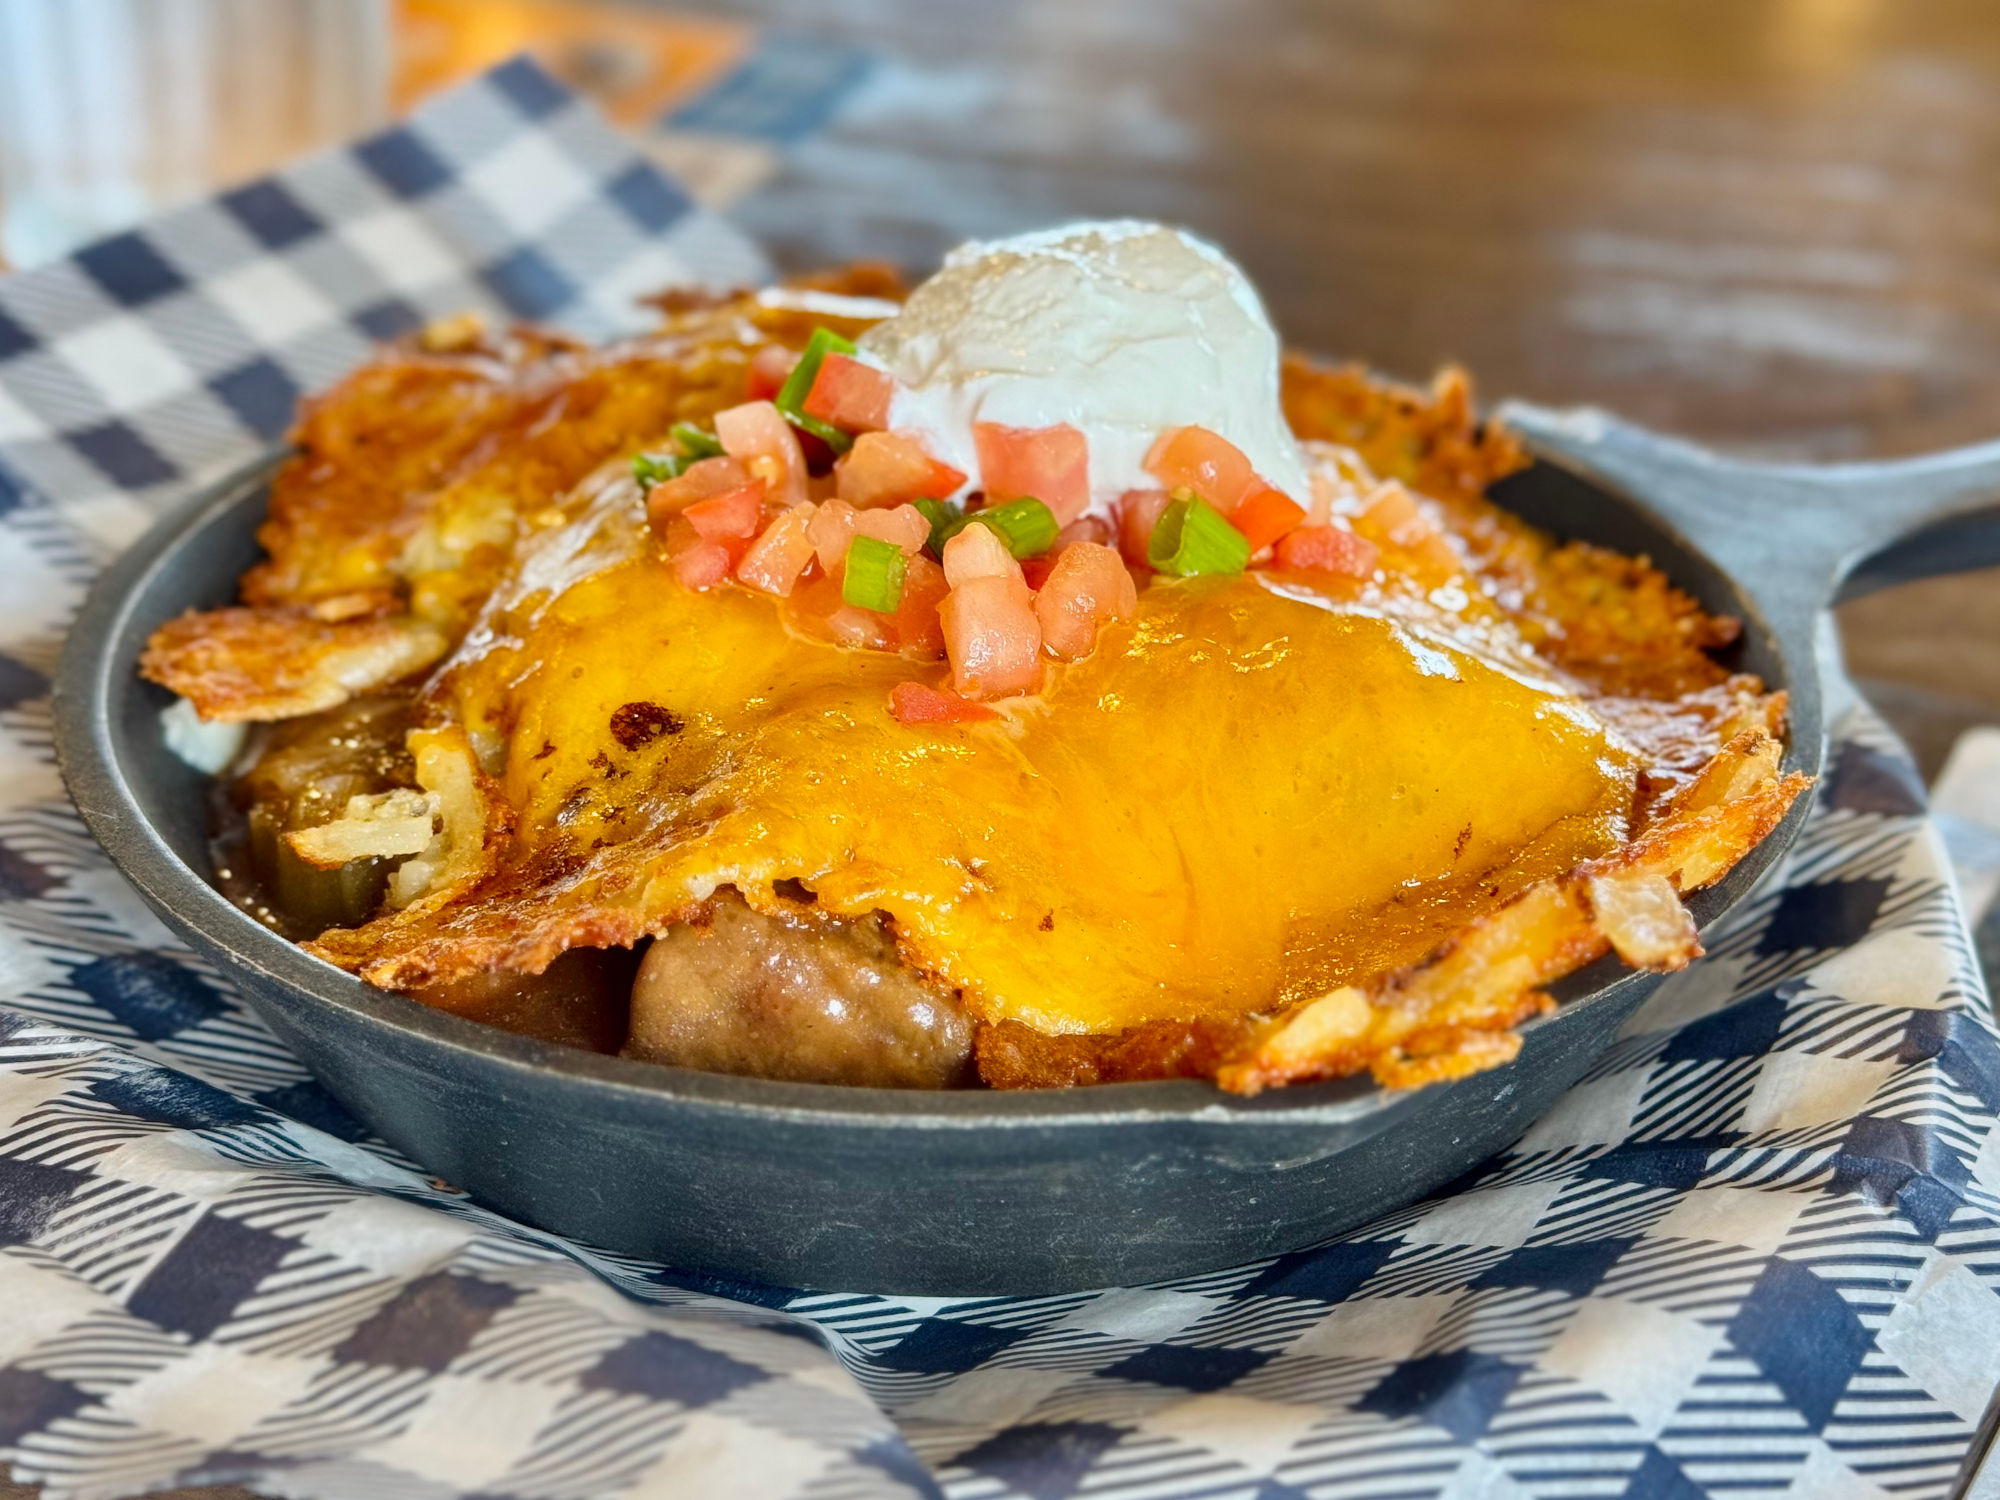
<point>1492,975</point>
<point>414,474</point>
<point>442,939</point>
<point>239,665</point>
<point>1615,623</point>
<point>1432,441</point>
<point>370,450</point>
<point>1013,1056</point>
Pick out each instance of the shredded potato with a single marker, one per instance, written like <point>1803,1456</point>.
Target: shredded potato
<point>373,825</point>
<point>1491,977</point>
<point>472,818</point>
<point>247,665</point>
<point>1642,917</point>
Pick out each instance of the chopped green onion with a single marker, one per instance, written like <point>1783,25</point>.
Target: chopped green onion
<point>798,385</point>
<point>1027,526</point>
<point>791,397</point>
<point>694,442</point>
<point>874,577</point>
<point>945,519</point>
<point>1192,538</point>
<point>826,432</point>
<point>649,470</point>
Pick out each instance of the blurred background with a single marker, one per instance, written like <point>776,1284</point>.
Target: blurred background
<point>1772,225</point>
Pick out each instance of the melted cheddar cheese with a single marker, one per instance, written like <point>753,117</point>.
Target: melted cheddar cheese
<point>1248,793</point>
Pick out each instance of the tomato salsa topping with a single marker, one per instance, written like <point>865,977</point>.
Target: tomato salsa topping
<point>892,551</point>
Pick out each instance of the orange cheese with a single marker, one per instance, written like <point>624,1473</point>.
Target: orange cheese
<point>1246,794</point>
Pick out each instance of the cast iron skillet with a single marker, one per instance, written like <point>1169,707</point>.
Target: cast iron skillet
<point>968,1193</point>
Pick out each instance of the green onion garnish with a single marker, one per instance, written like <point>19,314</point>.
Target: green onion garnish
<point>1192,538</point>
<point>694,442</point>
<point>694,445</point>
<point>874,578</point>
<point>791,397</point>
<point>650,470</point>
<point>798,385</point>
<point>945,519</point>
<point>1027,526</point>
<point>826,432</point>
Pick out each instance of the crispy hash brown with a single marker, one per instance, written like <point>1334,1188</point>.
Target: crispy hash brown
<point>460,507</point>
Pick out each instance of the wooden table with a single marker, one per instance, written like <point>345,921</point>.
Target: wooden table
<point>1770,224</point>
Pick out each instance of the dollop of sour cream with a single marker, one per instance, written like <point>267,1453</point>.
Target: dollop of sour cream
<point>1122,329</point>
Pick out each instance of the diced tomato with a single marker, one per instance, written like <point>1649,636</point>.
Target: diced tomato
<point>818,452</point>
<point>768,368</point>
<point>978,552</point>
<point>775,559</point>
<point>1035,570</point>
<point>853,396</point>
<point>816,607</point>
<point>832,532</point>
<point>737,513</point>
<point>861,629</point>
<point>905,526</point>
<point>913,703</point>
<point>992,637</point>
<point>758,436</point>
<point>836,526</point>
<point>1328,549</point>
<point>698,562</point>
<point>1205,462</point>
<point>706,480</point>
<point>918,628</point>
<point>1265,515</point>
<point>813,599</point>
<point>1139,512</point>
<point>1050,463</point>
<point>703,565</point>
<point>1088,586</point>
<point>1086,529</point>
<point>892,468</point>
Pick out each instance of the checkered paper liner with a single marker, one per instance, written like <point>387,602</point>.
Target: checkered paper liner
<point>1755,1250</point>
<point>159,357</point>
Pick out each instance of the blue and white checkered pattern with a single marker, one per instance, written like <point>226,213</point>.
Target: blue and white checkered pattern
<point>1756,1249</point>
<point>157,358</point>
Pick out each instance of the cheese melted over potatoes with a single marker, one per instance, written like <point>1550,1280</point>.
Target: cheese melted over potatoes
<point>1249,792</point>
<point>1273,827</point>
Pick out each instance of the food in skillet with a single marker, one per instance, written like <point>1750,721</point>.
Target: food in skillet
<point>1032,683</point>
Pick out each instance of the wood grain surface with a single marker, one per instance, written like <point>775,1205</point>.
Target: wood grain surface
<point>1773,225</point>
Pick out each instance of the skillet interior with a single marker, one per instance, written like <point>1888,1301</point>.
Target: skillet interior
<point>812,1185</point>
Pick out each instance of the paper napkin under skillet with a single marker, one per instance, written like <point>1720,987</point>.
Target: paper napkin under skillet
<point>1756,1250</point>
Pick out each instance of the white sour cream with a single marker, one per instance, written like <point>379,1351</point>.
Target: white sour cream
<point>1122,329</point>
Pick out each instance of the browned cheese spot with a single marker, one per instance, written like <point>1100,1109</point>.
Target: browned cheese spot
<point>638,724</point>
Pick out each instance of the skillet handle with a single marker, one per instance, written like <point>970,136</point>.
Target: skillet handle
<point>1798,537</point>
